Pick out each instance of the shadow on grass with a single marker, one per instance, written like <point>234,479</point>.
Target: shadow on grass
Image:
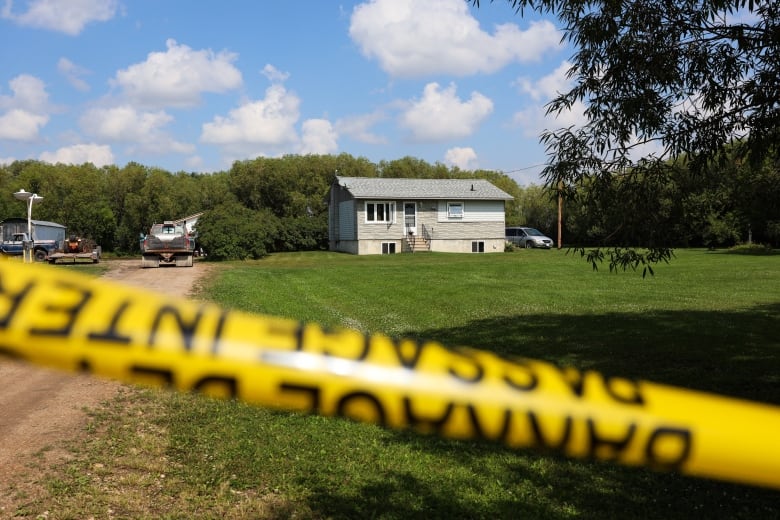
<point>539,487</point>
<point>732,353</point>
<point>735,353</point>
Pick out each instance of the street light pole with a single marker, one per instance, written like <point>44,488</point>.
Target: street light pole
<point>30,198</point>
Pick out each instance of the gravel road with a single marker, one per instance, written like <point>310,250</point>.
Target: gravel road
<point>41,409</point>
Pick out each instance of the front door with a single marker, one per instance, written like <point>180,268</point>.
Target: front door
<point>410,218</point>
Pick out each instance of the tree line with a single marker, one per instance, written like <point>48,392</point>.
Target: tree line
<point>692,83</point>
<point>269,205</point>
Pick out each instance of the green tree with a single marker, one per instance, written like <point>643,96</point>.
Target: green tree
<point>407,168</point>
<point>232,231</point>
<point>687,77</point>
<point>756,195</point>
<point>295,189</point>
<point>80,202</point>
<point>124,187</point>
<point>9,206</point>
<point>538,209</point>
<point>37,177</point>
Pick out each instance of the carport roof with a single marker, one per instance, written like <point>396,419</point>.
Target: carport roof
<point>383,188</point>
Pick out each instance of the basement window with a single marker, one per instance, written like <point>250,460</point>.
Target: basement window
<point>478,247</point>
<point>388,248</point>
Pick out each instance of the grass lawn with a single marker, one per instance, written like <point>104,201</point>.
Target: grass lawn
<point>708,320</point>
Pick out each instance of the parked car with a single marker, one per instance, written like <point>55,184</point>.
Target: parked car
<point>528,237</point>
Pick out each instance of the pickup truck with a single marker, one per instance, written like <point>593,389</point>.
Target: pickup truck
<point>15,247</point>
<point>169,243</point>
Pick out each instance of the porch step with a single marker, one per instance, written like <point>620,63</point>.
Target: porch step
<point>416,244</point>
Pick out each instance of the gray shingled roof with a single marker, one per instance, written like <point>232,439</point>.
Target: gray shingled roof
<point>380,188</point>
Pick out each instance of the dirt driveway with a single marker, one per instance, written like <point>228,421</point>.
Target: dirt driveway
<point>40,409</point>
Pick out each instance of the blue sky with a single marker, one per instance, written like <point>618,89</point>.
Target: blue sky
<point>192,86</point>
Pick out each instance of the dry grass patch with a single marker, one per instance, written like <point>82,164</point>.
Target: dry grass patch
<point>121,469</point>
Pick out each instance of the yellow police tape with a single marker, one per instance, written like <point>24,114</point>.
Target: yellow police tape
<point>66,320</point>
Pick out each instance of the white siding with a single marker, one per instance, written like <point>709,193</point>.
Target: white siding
<point>467,230</point>
<point>379,230</point>
<point>474,211</point>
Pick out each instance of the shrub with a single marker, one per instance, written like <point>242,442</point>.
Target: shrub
<point>751,249</point>
<point>234,232</point>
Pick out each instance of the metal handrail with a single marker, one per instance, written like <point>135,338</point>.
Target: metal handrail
<point>426,235</point>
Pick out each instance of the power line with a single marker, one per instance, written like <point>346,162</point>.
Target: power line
<point>525,168</point>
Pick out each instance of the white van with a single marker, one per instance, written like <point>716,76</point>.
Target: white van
<point>528,237</point>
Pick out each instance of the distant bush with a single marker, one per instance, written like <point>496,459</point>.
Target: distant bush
<point>234,232</point>
<point>751,249</point>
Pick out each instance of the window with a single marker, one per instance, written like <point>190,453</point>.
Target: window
<point>388,248</point>
<point>478,247</point>
<point>380,212</point>
<point>454,210</point>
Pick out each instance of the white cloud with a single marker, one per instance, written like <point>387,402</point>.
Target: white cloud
<point>66,16</point>
<point>269,122</point>
<point>194,163</point>
<point>533,119</point>
<point>7,160</point>
<point>73,73</point>
<point>318,137</point>
<point>267,127</point>
<point>273,74</point>
<point>143,130</point>
<point>99,155</point>
<point>123,123</point>
<point>546,88</point>
<point>179,76</point>
<point>162,144</point>
<point>441,115</point>
<point>463,158</point>
<point>25,110</point>
<point>21,125</point>
<point>410,38</point>
<point>29,93</point>
<point>359,127</point>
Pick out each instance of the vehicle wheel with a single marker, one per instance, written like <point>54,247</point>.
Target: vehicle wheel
<point>529,245</point>
<point>40,255</point>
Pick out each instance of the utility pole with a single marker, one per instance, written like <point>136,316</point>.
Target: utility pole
<point>560,214</point>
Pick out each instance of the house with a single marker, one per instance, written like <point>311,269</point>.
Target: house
<point>384,216</point>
